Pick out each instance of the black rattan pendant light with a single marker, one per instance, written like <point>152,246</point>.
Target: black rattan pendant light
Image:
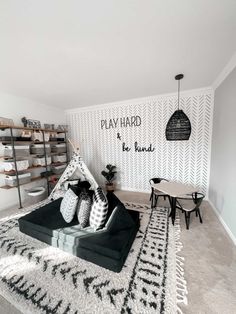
<point>178,127</point>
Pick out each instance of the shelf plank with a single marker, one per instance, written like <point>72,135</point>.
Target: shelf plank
<point>31,142</point>
<point>13,172</point>
<point>58,163</point>
<point>30,155</point>
<point>14,127</point>
<point>8,187</point>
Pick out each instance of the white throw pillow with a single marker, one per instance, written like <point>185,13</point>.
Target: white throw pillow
<point>68,205</point>
<point>99,209</point>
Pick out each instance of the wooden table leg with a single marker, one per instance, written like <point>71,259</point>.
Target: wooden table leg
<point>173,209</point>
<point>152,200</point>
<point>170,215</point>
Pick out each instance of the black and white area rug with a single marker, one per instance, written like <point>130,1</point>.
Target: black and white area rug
<point>37,278</point>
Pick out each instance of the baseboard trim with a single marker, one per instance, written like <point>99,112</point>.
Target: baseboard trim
<point>134,190</point>
<point>227,229</point>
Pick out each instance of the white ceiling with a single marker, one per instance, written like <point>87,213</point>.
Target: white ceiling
<point>69,54</point>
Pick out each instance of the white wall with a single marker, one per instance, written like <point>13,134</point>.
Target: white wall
<point>15,108</point>
<point>184,161</point>
<point>223,160</point>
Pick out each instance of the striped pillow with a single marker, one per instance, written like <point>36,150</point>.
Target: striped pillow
<point>68,205</point>
<point>84,208</point>
<point>99,209</point>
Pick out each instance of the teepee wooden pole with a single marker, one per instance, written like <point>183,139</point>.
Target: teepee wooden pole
<point>75,149</point>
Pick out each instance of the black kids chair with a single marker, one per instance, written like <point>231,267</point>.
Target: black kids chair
<point>155,194</point>
<point>190,203</point>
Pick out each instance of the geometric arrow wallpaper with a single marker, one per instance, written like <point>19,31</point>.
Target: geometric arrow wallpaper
<point>131,135</point>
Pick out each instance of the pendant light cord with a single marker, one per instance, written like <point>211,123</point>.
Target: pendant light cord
<point>179,77</point>
<point>178,92</point>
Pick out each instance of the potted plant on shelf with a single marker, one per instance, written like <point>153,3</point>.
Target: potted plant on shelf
<point>109,175</point>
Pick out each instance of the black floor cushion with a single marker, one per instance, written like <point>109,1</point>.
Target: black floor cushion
<point>107,247</point>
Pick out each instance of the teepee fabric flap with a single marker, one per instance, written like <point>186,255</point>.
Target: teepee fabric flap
<point>75,163</point>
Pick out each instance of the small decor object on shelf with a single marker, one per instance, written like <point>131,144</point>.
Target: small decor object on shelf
<point>60,137</point>
<point>178,127</point>
<point>109,175</point>
<point>35,124</point>
<point>62,127</point>
<point>49,126</point>
<point>6,121</point>
<point>53,136</point>
<point>24,121</point>
<point>25,135</point>
<point>37,136</point>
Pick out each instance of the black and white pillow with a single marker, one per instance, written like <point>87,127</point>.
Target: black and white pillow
<point>84,209</point>
<point>99,209</point>
<point>69,205</point>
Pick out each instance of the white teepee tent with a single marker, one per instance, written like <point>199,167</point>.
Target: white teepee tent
<point>75,164</point>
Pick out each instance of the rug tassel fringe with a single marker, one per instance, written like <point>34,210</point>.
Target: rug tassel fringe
<point>181,289</point>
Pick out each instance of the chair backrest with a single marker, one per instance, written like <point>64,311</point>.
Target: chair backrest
<point>197,198</point>
<point>156,180</point>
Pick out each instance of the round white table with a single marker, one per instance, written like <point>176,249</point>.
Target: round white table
<point>174,190</point>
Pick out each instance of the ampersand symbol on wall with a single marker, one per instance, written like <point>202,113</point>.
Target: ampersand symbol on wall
<point>118,136</point>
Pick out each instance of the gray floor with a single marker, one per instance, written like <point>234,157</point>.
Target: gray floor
<point>210,263</point>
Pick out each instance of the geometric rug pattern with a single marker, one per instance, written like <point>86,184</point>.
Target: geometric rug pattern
<point>37,278</point>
